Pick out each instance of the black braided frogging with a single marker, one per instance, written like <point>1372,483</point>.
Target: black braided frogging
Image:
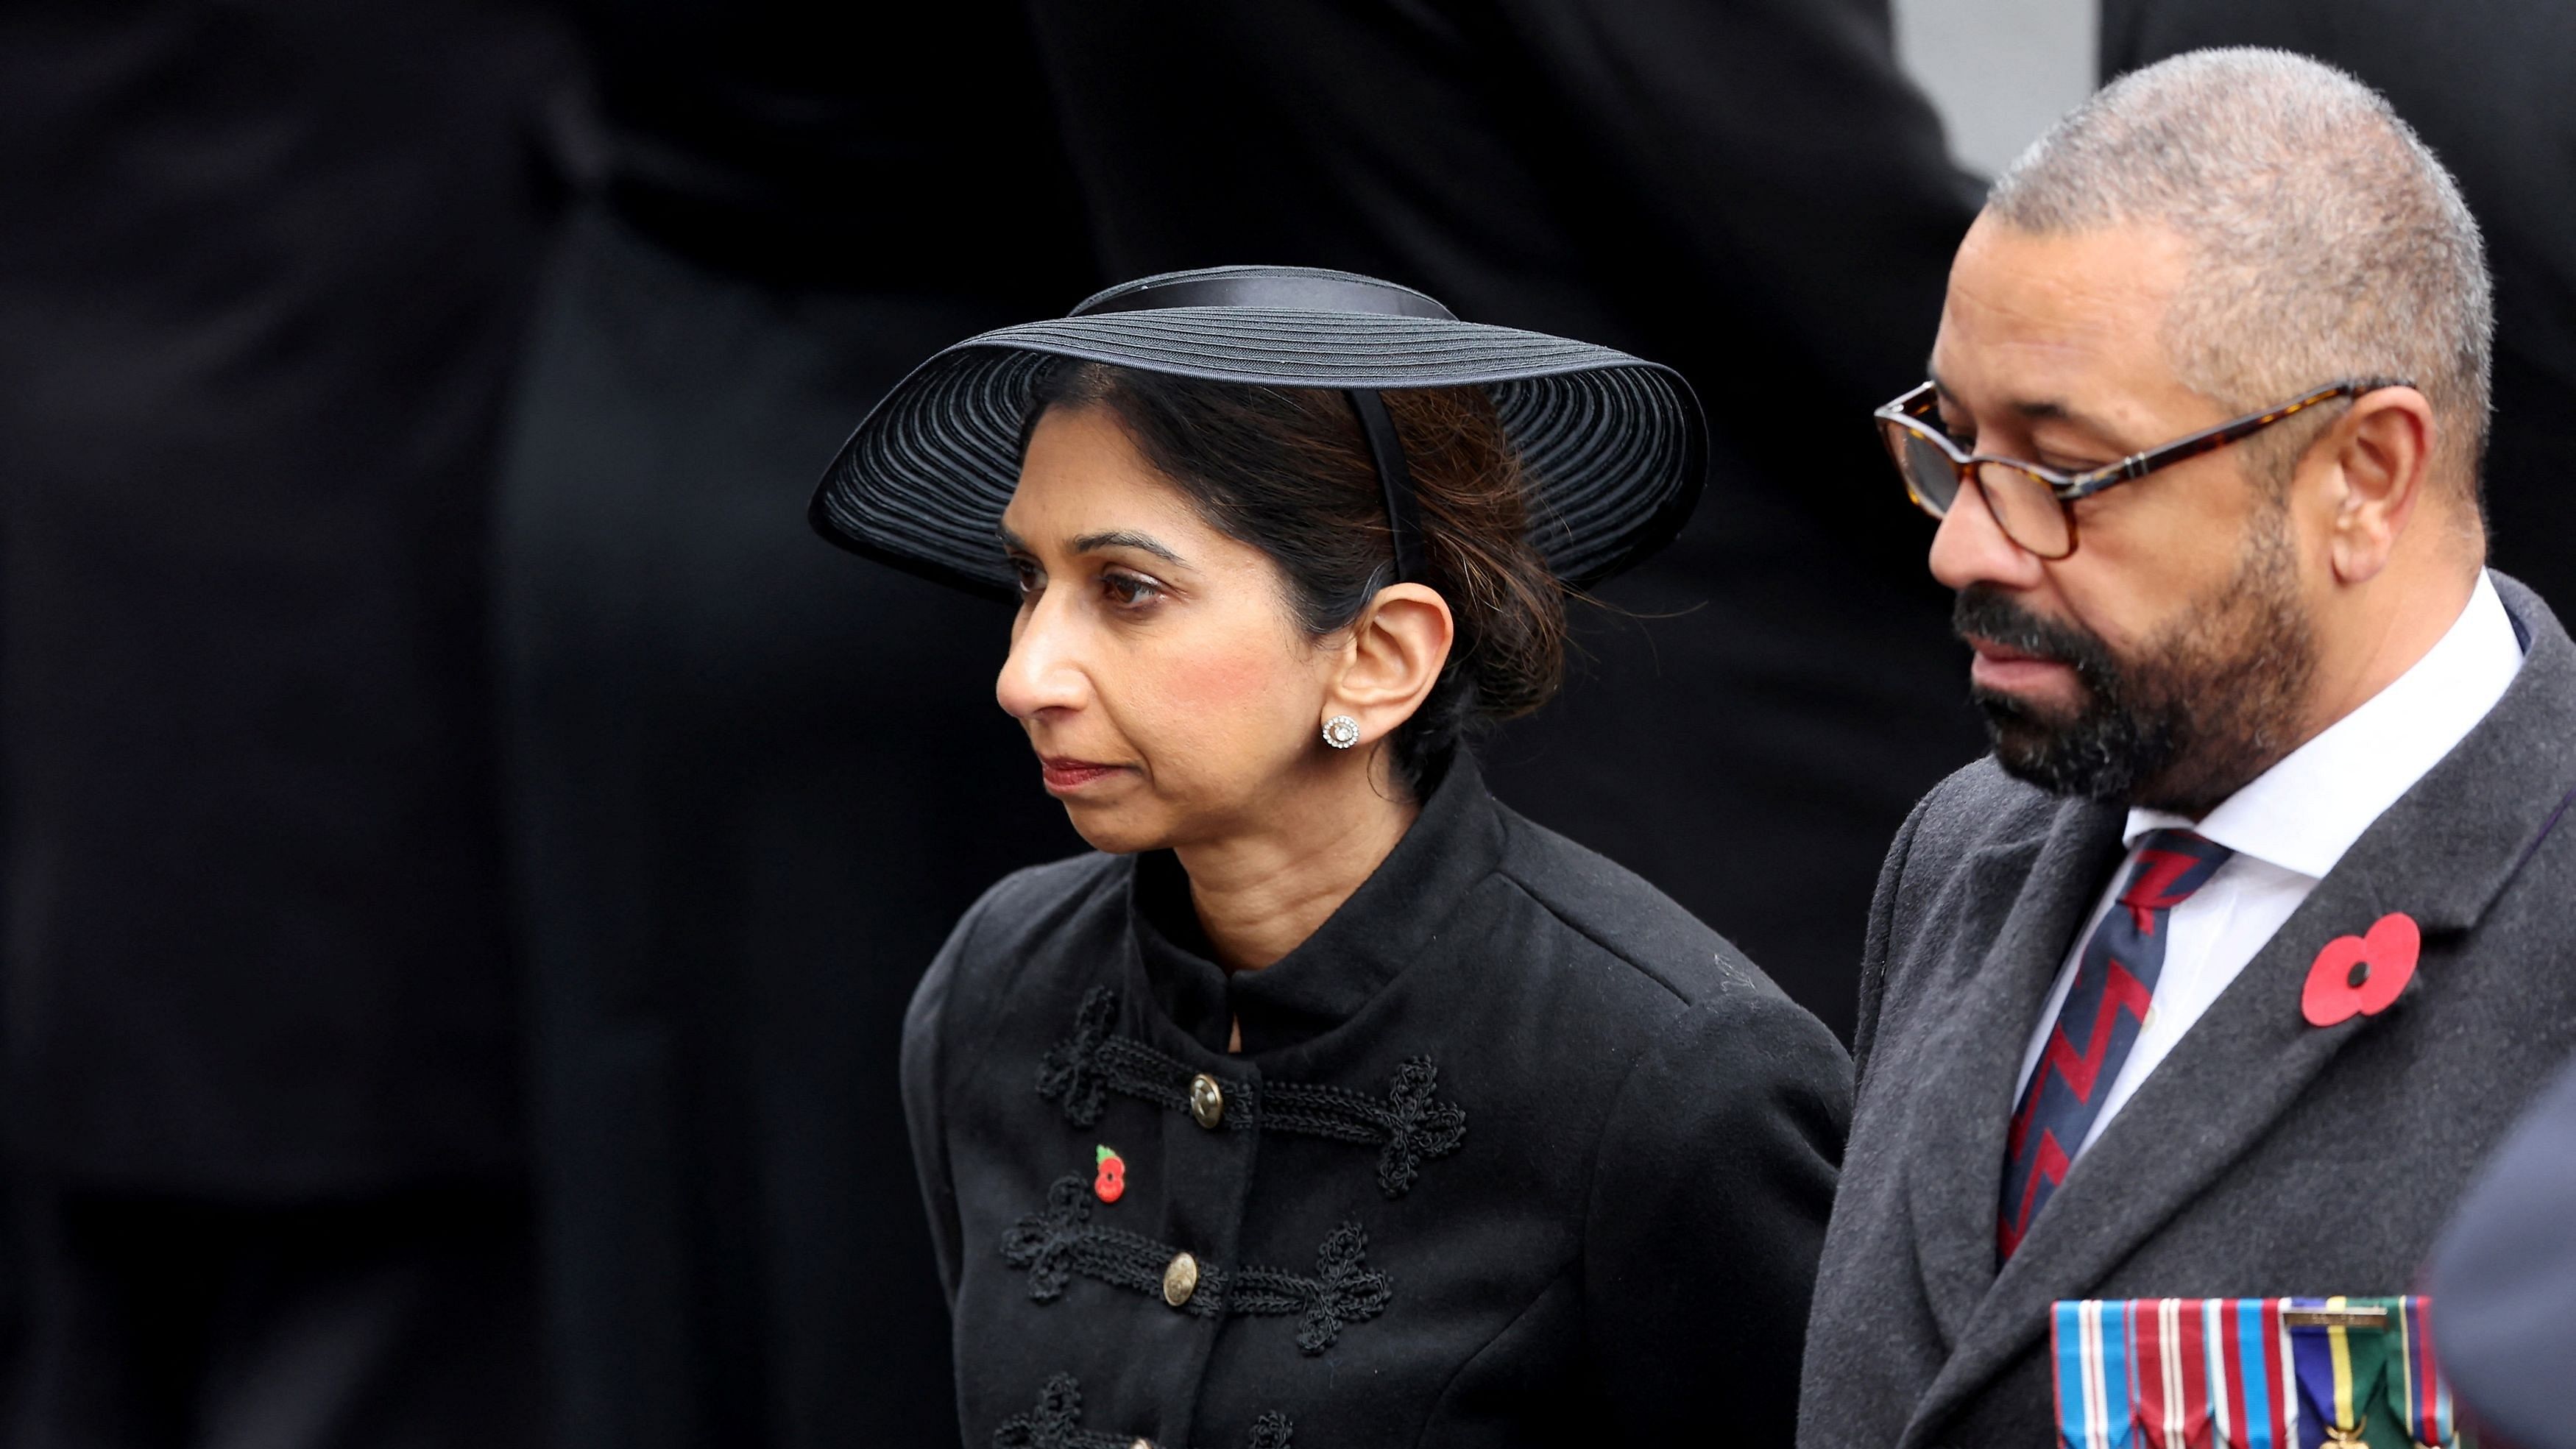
<point>1060,1241</point>
<point>1411,1124</point>
<point>1056,1423</point>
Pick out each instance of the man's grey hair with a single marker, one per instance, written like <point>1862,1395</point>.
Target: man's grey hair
<point>2326,242</point>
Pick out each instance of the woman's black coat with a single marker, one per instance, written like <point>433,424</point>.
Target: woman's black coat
<point>1515,1151</point>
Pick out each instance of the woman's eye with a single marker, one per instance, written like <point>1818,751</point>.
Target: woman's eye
<point>1130,589</point>
<point>1028,578</point>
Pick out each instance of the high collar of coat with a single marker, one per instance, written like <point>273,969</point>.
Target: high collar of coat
<point>1394,917</point>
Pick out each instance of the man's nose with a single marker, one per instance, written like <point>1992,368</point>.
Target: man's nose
<point>1972,548</point>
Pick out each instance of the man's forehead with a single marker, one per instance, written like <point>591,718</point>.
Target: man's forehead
<point>2033,319</point>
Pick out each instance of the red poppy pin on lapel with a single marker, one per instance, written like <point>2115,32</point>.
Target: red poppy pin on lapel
<point>1111,1183</point>
<point>2362,974</point>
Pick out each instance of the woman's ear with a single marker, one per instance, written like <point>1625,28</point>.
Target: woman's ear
<point>1397,648</point>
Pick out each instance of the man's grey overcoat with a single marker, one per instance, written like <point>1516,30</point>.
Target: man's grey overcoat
<point>2264,1157</point>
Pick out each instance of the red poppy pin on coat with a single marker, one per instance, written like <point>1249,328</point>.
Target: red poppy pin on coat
<point>2362,974</point>
<point>1111,1184</point>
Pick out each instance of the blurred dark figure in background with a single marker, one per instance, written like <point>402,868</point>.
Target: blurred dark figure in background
<point>757,785</point>
<point>262,268</point>
<point>2484,82</point>
<point>1748,192</point>
<point>2503,1281</point>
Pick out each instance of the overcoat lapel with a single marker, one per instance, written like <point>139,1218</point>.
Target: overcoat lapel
<point>2441,854</point>
<point>1991,1000</point>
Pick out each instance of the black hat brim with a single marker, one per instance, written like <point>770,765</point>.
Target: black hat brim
<point>1613,447</point>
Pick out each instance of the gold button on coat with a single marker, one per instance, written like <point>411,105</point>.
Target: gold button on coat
<point>1180,1279</point>
<point>1207,1101</point>
<point>1142,1444</point>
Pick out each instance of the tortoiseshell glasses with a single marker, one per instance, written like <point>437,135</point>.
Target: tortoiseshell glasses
<point>2034,505</point>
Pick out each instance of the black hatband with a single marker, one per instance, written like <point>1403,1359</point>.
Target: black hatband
<point>1290,292</point>
<point>1395,480</point>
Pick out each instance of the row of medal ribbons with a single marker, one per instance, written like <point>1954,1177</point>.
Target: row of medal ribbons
<point>2250,1373</point>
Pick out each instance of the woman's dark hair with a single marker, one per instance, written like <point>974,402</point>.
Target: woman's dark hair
<point>1288,471</point>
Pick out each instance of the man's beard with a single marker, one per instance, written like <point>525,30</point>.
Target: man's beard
<point>2204,710</point>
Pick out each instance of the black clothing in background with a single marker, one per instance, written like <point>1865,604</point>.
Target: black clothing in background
<point>1544,1160</point>
<point>2484,82</point>
<point>1749,192</point>
<point>262,270</point>
<point>757,780</point>
<point>898,151</point>
<point>2503,1279</point>
<point>395,1321</point>
<point>263,267</point>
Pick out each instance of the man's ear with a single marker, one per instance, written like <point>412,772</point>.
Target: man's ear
<point>1397,648</point>
<point>2380,454</point>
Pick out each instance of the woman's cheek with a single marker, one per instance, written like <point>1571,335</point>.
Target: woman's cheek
<point>1219,706</point>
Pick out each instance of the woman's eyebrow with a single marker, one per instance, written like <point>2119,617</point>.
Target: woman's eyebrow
<point>1123,538</point>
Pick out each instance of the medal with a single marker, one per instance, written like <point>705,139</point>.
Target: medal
<point>2173,1373</point>
<point>2339,1350</point>
<point>2415,1383</point>
<point>2249,1373</point>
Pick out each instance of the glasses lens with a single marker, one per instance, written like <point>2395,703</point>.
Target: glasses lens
<point>2026,509</point>
<point>1929,473</point>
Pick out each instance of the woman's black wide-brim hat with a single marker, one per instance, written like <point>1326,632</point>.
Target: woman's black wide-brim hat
<point>1611,446</point>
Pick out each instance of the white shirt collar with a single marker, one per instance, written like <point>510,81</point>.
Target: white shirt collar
<point>2306,811</point>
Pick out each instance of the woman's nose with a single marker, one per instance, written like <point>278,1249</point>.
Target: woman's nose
<point>1042,671</point>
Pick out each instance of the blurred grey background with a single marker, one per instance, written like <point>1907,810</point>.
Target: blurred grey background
<point>1998,71</point>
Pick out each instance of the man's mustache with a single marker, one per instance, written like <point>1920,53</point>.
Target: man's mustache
<point>1985,612</point>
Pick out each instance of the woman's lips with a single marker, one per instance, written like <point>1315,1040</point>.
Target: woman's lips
<point>1064,776</point>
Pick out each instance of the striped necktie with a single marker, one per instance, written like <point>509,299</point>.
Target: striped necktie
<point>2105,1010</point>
